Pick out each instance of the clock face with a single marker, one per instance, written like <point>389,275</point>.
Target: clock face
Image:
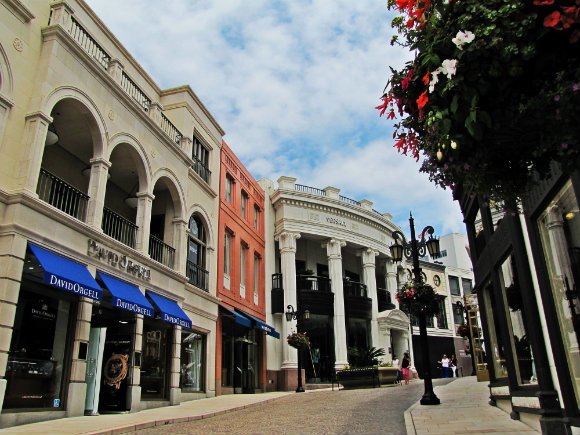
<point>437,280</point>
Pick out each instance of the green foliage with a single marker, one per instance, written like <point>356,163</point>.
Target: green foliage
<point>364,356</point>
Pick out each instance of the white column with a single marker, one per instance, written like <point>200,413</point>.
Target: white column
<point>97,191</point>
<point>180,245</point>
<point>370,279</point>
<point>28,169</point>
<point>144,205</point>
<point>287,242</point>
<point>175,367</point>
<point>134,388</point>
<point>391,278</point>
<point>333,250</point>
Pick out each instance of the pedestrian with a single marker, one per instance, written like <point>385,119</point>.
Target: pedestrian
<point>395,363</point>
<point>454,365</point>
<point>405,367</point>
<point>445,365</point>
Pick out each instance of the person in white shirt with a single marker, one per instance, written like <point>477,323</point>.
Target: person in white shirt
<point>395,362</point>
<point>445,362</point>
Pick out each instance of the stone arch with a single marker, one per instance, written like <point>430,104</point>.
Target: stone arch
<point>142,163</point>
<point>98,134</point>
<point>175,188</point>
<point>197,209</point>
<point>6,80</point>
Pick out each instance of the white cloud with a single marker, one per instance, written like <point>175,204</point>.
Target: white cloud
<point>293,84</point>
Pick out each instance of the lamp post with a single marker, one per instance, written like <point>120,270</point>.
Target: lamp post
<point>298,316</point>
<point>413,250</point>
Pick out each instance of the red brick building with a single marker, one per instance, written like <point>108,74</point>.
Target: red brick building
<point>241,328</point>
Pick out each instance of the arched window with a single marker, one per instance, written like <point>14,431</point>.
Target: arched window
<point>196,253</point>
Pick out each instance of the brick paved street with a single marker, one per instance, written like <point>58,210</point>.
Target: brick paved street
<point>365,411</point>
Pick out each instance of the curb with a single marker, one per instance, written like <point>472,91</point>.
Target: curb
<point>167,421</point>
<point>409,423</point>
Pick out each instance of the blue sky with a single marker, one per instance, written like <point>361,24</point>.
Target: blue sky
<point>294,85</point>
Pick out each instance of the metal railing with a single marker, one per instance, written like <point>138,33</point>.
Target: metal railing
<point>88,44</point>
<point>355,289</point>
<point>313,282</point>
<point>308,189</point>
<point>349,201</point>
<point>62,195</point>
<point>161,252</point>
<point>170,130</point>
<point>202,170</point>
<point>384,300</point>
<point>197,276</point>
<point>135,92</point>
<point>119,228</point>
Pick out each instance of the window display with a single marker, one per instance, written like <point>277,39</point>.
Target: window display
<point>34,372</point>
<point>154,363</point>
<point>192,361</point>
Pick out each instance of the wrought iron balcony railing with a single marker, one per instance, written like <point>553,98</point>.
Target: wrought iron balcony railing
<point>384,300</point>
<point>313,282</point>
<point>62,195</point>
<point>197,276</point>
<point>354,289</point>
<point>161,252</point>
<point>202,170</point>
<point>119,228</point>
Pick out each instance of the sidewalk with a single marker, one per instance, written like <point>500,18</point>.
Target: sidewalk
<point>111,424</point>
<point>464,409</point>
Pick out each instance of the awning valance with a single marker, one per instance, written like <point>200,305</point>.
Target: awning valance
<point>170,311</point>
<point>238,318</point>
<point>126,296</point>
<point>260,324</point>
<point>66,274</point>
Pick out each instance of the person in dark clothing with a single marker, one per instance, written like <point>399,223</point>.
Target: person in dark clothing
<point>405,364</point>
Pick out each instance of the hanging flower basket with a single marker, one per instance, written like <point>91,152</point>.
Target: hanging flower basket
<point>492,95</point>
<point>418,298</point>
<point>298,340</point>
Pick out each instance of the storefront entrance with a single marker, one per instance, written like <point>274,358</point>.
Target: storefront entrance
<point>318,362</point>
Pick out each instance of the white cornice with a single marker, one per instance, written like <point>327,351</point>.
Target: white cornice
<point>19,9</point>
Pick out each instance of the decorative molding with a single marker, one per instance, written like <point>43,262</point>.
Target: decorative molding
<point>20,10</point>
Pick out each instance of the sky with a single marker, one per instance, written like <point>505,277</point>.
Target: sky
<point>294,84</point>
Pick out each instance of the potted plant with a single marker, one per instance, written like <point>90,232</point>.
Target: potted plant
<point>298,340</point>
<point>418,297</point>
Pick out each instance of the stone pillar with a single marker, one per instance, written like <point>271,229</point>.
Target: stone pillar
<point>77,388</point>
<point>370,279</point>
<point>28,170</point>
<point>155,110</point>
<point>144,204</point>
<point>180,245</point>
<point>287,242</point>
<point>186,145</point>
<point>391,280</point>
<point>115,70</point>
<point>134,388</point>
<point>97,190</point>
<point>333,250</point>
<point>175,366</point>
<point>61,14</point>
<point>12,252</point>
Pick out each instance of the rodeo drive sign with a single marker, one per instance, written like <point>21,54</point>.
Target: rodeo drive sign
<point>116,260</point>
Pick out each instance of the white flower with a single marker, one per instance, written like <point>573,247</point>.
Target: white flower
<point>463,38</point>
<point>449,67</point>
<point>434,79</point>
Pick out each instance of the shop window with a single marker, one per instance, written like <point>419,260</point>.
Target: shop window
<point>442,316</point>
<point>192,362</point>
<point>559,227</point>
<point>38,351</point>
<point>154,360</point>
<point>454,286</point>
<point>497,347</point>
<point>458,315</point>
<point>521,344</point>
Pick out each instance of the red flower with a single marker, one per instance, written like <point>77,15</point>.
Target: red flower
<point>391,114</point>
<point>422,100</point>
<point>383,107</point>
<point>543,2</point>
<point>426,78</point>
<point>407,80</point>
<point>552,20</point>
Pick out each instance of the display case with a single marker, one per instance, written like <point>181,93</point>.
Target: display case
<point>30,383</point>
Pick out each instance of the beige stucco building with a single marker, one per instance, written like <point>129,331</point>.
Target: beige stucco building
<point>108,211</point>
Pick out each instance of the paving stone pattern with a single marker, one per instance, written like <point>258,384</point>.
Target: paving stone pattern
<point>362,411</point>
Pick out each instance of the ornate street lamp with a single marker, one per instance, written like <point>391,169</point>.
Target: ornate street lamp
<point>413,250</point>
<point>298,316</point>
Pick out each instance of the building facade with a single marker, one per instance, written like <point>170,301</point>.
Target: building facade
<point>107,236</point>
<point>241,327</point>
<point>328,254</point>
<point>526,268</point>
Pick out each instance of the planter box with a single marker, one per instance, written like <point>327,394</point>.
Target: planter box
<point>389,375</point>
<point>359,378</point>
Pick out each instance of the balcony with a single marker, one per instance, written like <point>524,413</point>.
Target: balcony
<point>119,228</point>
<point>161,252</point>
<point>315,294</point>
<point>62,195</point>
<point>356,302</point>
<point>277,294</point>
<point>384,300</point>
<point>197,276</point>
<point>202,170</point>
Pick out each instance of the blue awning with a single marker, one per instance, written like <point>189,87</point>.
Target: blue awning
<point>126,296</point>
<point>170,311</point>
<point>66,274</point>
<point>260,324</point>
<point>238,318</point>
